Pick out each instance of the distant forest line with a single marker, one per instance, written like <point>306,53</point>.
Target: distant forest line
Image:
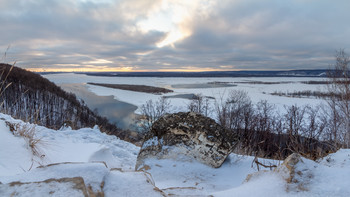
<point>283,73</point>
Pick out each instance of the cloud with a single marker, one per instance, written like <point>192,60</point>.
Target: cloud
<point>270,34</point>
<point>173,35</point>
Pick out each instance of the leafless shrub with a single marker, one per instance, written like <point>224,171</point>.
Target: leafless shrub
<point>294,120</point>
<point>263,118</point>
<point>332,118</point>
<point>263,132</point>
<point>152,111</point>
<point>234,113</point>
<point>306,127</point>
<point>200,104</point>
<point>316,125</point>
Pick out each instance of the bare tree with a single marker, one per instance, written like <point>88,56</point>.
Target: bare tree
<point>294,120</point>
<point>339,88</point>
<point>200,104</point>
<point>221,110</point>
<point>152,111</point>
<point>264,118</point>
<point>331,116</point>
<point>315,124</point>
<point>236,111</point>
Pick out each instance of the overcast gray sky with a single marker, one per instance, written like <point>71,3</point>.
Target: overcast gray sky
<point>171,35</point>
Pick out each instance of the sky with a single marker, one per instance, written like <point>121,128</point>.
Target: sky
<point>173,35</point>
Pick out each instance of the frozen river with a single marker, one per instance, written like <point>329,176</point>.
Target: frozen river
<point>120,105</point>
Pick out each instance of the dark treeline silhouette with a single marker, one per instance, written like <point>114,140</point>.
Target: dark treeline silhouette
<point>283,73</point>
<point>28,96</point>
<point>307,94</point>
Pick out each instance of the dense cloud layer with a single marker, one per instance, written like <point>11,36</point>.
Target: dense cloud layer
<point>173,35</point>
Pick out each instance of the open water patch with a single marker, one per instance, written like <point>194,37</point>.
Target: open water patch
<point>117,112</point>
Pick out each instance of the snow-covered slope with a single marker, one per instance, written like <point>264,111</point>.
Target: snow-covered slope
<point>106,164</point>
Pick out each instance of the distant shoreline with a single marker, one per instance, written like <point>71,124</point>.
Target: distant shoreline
<point>289,73</point>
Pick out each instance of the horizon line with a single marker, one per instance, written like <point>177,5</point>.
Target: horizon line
<point>171,71</point>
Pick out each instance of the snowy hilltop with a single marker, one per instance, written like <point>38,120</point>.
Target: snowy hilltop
<point>37,161</point>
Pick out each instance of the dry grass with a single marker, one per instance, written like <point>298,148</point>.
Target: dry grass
<point>4,76</point>
<point>27,131</point>
<point>3,85</point>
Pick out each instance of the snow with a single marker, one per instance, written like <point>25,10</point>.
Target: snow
<point>268,185</point>
<point>99,158</point>
<point>129,184</point>
<point>12,164</point>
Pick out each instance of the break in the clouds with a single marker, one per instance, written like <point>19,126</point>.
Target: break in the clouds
<point>169,35</point>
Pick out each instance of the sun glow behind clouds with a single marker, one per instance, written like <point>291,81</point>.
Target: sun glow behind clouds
<point>98,61</point>
<point>172,18</point>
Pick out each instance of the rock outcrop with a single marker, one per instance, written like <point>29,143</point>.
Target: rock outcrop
<point>52,187</point>
<point>187,136</point>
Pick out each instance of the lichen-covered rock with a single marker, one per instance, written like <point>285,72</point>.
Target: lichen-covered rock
<point>187,136</point>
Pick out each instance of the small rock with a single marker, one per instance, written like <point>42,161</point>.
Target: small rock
<point>296,173</point>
